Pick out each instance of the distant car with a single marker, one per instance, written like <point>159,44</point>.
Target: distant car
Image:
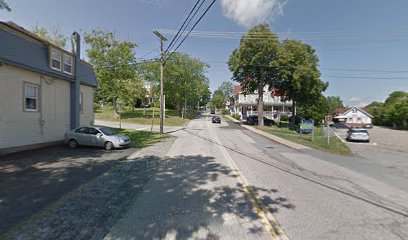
<point>253,120</point>
<point>216,119</point>
<point>212,111</point>
<point>358,134</point>
<point>97,136</point>
<point>340,125</point>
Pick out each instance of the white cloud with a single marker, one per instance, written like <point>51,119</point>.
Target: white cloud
<point>357,101</point>
<point>252,12</point>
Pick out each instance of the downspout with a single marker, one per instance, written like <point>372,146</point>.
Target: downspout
<point>75,85</point>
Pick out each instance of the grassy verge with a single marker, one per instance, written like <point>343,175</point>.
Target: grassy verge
<point>320,142</point>
<point>141,139</point>
<point>144,116</point>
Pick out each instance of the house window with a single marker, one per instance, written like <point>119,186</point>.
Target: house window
<point>31,98</point>
<point>81,106</point>
<point>55,59</point>
<point>67,67</point>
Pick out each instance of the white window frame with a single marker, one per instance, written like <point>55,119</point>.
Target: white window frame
<point>52,58</point>
<point>64,55</point>
<point>37,98</point>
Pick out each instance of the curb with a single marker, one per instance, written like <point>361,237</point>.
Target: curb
<point>271,136</point>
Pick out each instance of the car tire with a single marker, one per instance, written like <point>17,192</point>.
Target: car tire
<point>109,146</point>
<point>72,143</point>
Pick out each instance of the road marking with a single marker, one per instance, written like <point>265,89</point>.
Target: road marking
<point>268,221</point>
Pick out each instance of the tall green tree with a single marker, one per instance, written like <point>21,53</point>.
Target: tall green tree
<point>218,99</point>
<point>114,63</point>
<point>333,102</point>
<point>254,62</point>
<point>53,36</point>
<point>299,76</point>
<point>4,5</point>
<point>185,82</point>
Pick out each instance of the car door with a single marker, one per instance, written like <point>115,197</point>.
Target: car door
<point>82,136</point>
<point>94,139</point>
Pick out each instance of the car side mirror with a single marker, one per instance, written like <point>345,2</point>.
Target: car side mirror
<point>99,135</point>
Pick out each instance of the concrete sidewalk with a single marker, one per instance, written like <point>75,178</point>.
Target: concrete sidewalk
<point>139,127</point>
<point>270,136</point>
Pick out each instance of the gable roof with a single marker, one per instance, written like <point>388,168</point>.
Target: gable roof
<point>237,89</point>
<point>24,49</point>
<point>358,109</point>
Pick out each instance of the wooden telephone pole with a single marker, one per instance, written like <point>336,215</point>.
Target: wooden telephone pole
<point>162,39</point>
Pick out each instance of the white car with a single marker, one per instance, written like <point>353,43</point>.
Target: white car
<point>97,136</point>
<point>358,134</point>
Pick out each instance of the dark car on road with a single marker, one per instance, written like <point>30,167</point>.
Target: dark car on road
<point>340,125</point>
<point>212,111</point>
<point>216,119</point>
<point>253,120</point>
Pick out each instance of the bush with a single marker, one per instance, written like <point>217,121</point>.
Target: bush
<point>97,107</point>
<point>236,116</point>
<point>284,118</point>
<point>226,112</point>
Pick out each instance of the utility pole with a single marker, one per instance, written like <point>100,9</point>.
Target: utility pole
<point>162,39</point>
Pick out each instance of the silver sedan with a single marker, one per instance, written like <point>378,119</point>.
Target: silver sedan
<point>358,134</point>
<point>96,136</point>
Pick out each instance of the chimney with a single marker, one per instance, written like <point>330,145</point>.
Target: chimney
<point>75,84</point>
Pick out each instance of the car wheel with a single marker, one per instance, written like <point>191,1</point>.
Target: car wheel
<point>72,143</point>
<point>109,146</point>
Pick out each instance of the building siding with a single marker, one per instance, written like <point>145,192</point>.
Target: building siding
<point>18,127</point>
<point>87,115</point>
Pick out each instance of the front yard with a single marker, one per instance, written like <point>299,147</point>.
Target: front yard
<point>143,116</point>
<point>320,142</point>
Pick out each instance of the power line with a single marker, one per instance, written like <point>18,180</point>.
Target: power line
<point>174,38</point>
<point>363,70</point>
<point>205,12</point>
<point>368,77</point>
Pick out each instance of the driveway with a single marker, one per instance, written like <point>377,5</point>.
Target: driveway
<point>32,180</point>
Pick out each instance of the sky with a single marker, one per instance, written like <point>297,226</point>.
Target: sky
<point>362,45</point>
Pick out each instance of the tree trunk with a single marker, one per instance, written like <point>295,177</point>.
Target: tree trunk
<point>260,99</point>
<point>115,108</point>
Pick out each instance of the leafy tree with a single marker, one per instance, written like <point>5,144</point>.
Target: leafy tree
<point>4,5</point>
<point>185,82</point>
<point>53,36</point>
<point>227,89</point>
<point>333,102</point>
<point>218,99</point>
<point>315,110</point>
<point>115,66</point>
<point>254,61</point>
<point>299,77</point>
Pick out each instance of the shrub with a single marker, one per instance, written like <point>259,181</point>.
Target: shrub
<point>284,118</point>
<point>97,107</point>
<point>226,112</point>
<point>236,116</point>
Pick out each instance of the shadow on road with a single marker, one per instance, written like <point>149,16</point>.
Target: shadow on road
<point>192,195</point>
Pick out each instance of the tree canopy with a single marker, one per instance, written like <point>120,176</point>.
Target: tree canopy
<point>114,63</point>
<point>393,112</point>
<point>4,5</point>
<point>53,36</point>
<point>185,82</point>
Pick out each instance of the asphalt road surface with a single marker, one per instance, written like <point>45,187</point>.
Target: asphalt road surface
<point>221,181</point>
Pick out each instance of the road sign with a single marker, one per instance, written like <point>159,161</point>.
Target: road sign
<point>306,126</point>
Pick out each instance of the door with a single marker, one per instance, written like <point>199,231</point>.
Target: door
<point>83,137</point>
<point>94,139</point>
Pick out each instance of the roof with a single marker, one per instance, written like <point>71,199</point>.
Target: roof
<point>237,89</point>
<point>340,115</point>
<point>21,48</point>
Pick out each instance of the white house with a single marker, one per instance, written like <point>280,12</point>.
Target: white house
<point>44,90</point>
<point>246,104</point>
<point>355,117</point>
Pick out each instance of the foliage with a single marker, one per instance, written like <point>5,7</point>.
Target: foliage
<point>253,63</point>
<point>236,116</point>
<point>284,118</point>
<point>226,112</point>
<point>185,82</point>
<point>115,66</point>
<point>393,112</point>
<point>53,36</point>
<point>218,99</point>
<point>333,102</point>
<point>4,5</point>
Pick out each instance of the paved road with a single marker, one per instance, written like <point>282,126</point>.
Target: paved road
<point>224,182</point>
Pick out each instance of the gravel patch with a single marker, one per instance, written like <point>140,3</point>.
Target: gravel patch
<point>91,210</point>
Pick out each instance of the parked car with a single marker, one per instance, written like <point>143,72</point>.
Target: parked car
<point>97,136</point>
<point>216,119</point>
<point>253,120</point>
<point>212,110</point>
<point>340,125</point>
<point>358,134</point>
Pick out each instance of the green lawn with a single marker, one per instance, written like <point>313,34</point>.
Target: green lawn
<point>141,139</point>
<point>143,116</point>
<point>320,142</point>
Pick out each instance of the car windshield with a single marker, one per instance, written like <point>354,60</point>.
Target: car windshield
<point>107,131</point>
